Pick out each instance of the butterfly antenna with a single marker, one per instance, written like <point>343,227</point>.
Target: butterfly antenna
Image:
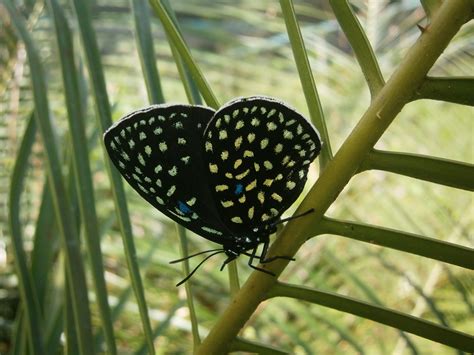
<point>294,217</point>
<point>197,267</point>
<point>193,255</point>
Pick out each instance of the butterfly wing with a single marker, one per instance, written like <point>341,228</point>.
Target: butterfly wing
<point>157,150</point>
<point>257,151</point>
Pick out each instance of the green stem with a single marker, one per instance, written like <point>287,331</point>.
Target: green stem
<point>392,318</point>
<point>190,86</point>
<point>254,347</point>
<point>183,245</point>
<point>411,243</point>
<point>457,90</point>
<point>360,45</point>
<point>183,50</point>
<point>31,307</point>
<point>437,170</point>
<point>146,50</point>
<point>306,78</point>
<point>233,277</point>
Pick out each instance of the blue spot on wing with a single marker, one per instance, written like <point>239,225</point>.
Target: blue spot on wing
<point>183,207</point>
<point>238,189</point>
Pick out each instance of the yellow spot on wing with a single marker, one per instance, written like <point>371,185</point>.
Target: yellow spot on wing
<point>281,118</point>
<point>237,163</point>
<point>210,230</point>
<point>238,142</point>
<point>242,175</point>
<point>173,171</point>
<point>236,219</point>
<point>222,134</point>
<point>255,122</point>
<point>251,186</point>
<point>276,197</point>
<point>125,156</point>
<point>213,168</point>
<point>250,212</point>
<point>287,134</point>
<point>299,129</point>
<point>227,204</point>
<point>171,191</point>
<point>268,165</point>
<point>221,188</point>
<point>271,126</point>
<point>268,182</point>
<point>141,160</point>
<point>290,185</point>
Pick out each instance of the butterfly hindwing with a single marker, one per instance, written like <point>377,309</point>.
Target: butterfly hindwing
<point>158,151</point>
<point>257,152</point>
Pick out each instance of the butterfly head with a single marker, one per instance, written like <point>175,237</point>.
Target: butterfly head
<point>242,244</point>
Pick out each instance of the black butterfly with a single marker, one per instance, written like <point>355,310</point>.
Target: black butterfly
<point>227,175</point>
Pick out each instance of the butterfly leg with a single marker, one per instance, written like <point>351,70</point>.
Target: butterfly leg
<point>250,263</point>
<point>263,258</point>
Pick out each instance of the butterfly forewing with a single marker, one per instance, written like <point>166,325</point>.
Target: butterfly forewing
<point>257,152</point>
<point>158,151</point>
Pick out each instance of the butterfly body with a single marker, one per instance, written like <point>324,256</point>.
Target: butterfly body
<point>226,175</point>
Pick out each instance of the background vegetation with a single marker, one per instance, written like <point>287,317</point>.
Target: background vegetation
<point>67,71</point>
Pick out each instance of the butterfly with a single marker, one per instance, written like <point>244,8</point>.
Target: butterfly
<point>227,175</point>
